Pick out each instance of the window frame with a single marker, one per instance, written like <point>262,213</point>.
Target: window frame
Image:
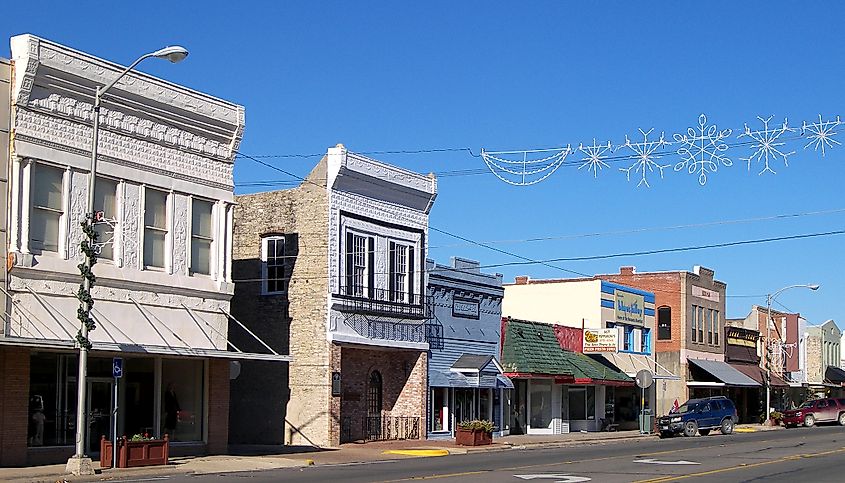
<point>265,265</point>
<point>694,323</point>
<point>667,328</point>
<point>400,279</point>
<point>165,230</point>
<point>210,238</point>
<point>58,213</point>
<point>115,228</point>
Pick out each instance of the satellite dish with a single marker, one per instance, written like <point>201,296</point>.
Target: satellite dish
<point>644,378</point>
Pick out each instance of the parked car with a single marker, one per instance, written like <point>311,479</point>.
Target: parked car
<point>699,416</point>
<point>825,410</point>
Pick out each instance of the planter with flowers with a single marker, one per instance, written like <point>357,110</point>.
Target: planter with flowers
<point>139,450</point>
<point>474,433</point>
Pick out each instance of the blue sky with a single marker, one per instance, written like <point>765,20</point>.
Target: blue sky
<point>396,76</point>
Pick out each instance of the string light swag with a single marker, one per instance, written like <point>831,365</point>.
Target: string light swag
<point>702,150</point>
<point>527,171</point>
<point>89,247</point>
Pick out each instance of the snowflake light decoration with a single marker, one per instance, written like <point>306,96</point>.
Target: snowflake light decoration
<point>821,133</point>
<point>702,149</point>
<point>766,144</point>
<point>646,159</point>
<point>595,157</point>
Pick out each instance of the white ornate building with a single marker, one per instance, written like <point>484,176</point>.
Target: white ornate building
<point>165,187</point>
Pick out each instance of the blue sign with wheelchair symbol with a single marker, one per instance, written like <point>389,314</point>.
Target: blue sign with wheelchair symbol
<point>117,367</point>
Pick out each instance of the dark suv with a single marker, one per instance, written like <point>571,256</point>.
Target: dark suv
<point>699,416</point>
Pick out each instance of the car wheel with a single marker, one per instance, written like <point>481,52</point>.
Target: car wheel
<point>704,432</point>
<point>727,426</point>
<point>664,434</point>
<point>842,419</point>
<point>787,425</point>
<point>809,420</point>
<point>690,429</point>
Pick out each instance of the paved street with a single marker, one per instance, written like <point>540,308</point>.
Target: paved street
<point>813,455</point>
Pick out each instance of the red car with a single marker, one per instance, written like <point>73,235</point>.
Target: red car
<point>816,411</point>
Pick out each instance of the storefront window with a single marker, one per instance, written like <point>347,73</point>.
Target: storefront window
<point>182,399</point>
<point>484,404</point>
<point>582,403</point>
<point>439,409</point>
<point>138,397</point>
<point>541,404</point>
<point>52,400</point>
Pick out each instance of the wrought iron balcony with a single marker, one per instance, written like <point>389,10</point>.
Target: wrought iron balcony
<point>376,301</point>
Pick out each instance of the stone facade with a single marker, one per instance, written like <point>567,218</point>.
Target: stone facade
<point>325,327</point>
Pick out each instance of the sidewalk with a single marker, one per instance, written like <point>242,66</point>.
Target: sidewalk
<point>258,458</point>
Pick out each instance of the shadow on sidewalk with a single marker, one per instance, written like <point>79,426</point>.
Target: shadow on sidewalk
<point>274,450</point>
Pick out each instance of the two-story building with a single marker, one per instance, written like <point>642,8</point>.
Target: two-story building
<point>622,316</point>
<point>335,270</point>
<point>690,320</point>
<point>821,351</point>
<point>465,377</point>
<point>163,281</point>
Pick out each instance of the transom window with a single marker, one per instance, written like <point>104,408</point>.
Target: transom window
<point>47,209</point>
<point>201,236</point>
<point>273,265</point>
<point>155,227</point>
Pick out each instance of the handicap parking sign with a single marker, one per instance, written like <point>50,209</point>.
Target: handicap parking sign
<point>117,367</point>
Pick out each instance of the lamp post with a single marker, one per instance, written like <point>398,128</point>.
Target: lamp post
<point>79,463</point>
<point>769,299</point>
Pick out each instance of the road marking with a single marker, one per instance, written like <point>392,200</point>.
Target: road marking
<point>739,467</point>
<point>557,478</point>
<point>418,452</point>
<point>434,477</point>
<point>653,461</point>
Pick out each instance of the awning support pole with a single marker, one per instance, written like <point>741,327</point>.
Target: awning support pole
<point>249,331</point>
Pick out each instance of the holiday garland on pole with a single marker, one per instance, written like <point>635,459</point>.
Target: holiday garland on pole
<point>86,302</point>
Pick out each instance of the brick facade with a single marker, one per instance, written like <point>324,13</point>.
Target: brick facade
<point>14,406</point>
<point>218,406</point>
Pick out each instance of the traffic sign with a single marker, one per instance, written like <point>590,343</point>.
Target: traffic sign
<point>117,367</point>
<point>644,378</point>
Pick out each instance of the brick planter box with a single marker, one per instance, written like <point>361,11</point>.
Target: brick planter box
<point>131,454</point>
<point>472,437</point>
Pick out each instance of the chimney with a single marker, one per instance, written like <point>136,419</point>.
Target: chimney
<point>521,280</point>
<point>629,270</point>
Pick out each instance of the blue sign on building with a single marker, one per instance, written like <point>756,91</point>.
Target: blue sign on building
<point>117,367</point>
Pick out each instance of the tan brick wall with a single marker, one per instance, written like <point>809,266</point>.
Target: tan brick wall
<point>295,324</point>
<point>14,406</point>
<point>218,406</point>
<point>815,372</point>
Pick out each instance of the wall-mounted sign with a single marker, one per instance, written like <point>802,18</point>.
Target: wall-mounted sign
<point>600,340</point>
<point>335,384</point>
<point>704,293</point>
<point>630,307</point>
<point>465,308</point>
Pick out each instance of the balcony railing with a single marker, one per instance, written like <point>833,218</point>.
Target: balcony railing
<point>396,331</point>
<point>377,301</point>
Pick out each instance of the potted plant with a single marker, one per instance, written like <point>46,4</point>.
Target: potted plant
<point>474,433</point>
<point>777,417</point>
<point>139,450</point>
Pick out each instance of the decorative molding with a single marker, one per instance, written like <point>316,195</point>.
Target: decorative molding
<point>180,234</point>
<point>394,174</point>
<point>145,129</point>
<point>78,205</point>
<point>130,225</point>
<point>63,134</point>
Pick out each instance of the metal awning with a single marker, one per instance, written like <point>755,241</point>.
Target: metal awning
<point>723,372</point>
<point>834,375</point>
<point>630,364</point>
<point>57,334</point>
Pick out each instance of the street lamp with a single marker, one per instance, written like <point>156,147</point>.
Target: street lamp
<point>769,299</point>
<point>79,464</point>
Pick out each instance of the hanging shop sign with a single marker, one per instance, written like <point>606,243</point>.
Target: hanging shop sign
<point>629,307</point>
<point>600,340</point>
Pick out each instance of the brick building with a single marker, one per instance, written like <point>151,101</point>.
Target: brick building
<point>334,270</point>
<point>164,184</point>
<point>690,308</point>
<point>824,376</point>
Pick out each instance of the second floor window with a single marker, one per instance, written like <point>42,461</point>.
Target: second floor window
<point>357,258</point>
<point>105,200</point>
<point>399,265</point>
<point>664,323</point>
<point>155,227</point>
<point>273,265</point>
<point>201,236</point>
<point>47,211</point>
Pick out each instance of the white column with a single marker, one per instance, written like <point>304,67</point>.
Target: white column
<point>220,241</point>
<point>66,224</point>
<point>230,225</point>
<point>16,204</point>
<point>25,204</point>
<point>117,241</point>
<point>169,240</point>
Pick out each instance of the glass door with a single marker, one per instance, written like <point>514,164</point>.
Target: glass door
<point>100,407</point>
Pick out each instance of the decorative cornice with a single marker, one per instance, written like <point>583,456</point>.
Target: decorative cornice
<point>388,172</point>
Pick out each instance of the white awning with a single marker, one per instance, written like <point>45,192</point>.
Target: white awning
<point>630,364</point>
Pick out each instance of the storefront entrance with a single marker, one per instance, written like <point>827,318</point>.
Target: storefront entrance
<point>100,407</point>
